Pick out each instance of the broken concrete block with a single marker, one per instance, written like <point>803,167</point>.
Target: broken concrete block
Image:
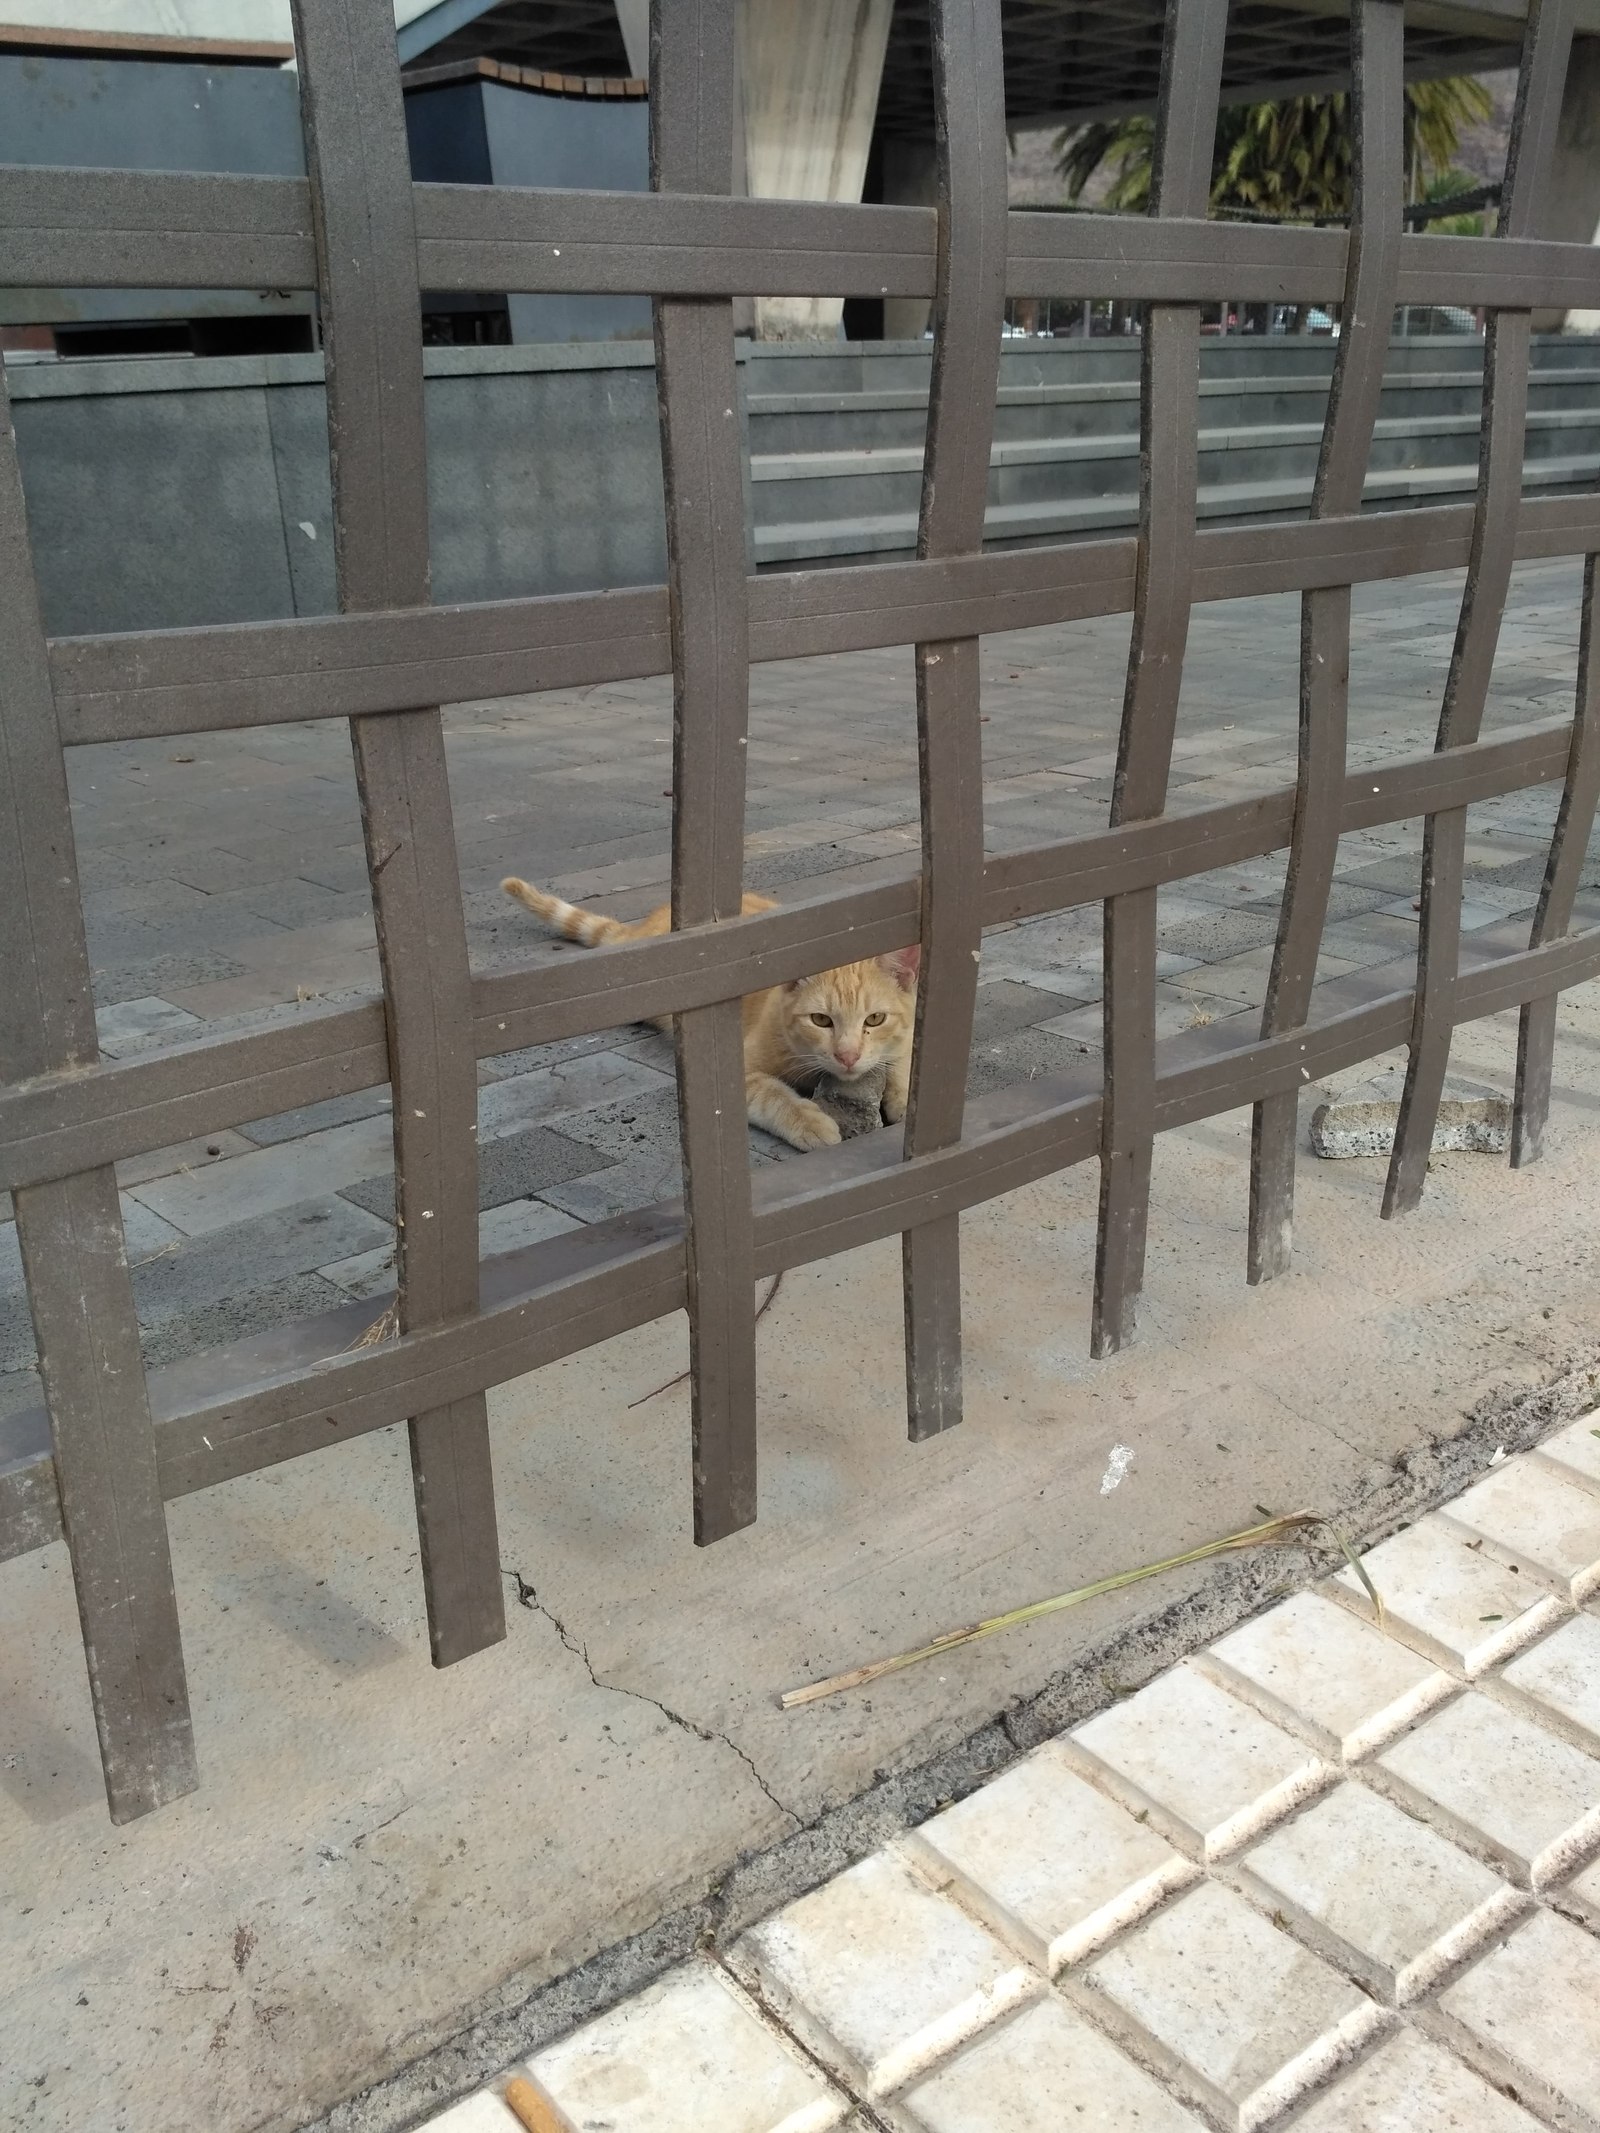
<point>1472,1125</point>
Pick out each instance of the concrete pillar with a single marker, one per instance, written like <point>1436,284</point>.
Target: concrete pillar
<point>910,179</point>
<point>633,19</point>
<point>811,71</point>
<point>1572,209</point>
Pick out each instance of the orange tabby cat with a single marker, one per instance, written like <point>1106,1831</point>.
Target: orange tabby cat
<point>842,1023</point>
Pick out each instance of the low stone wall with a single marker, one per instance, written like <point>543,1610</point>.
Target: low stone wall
<point>166,491</point>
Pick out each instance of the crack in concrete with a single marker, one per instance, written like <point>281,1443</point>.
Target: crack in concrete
<point>528,1597</point>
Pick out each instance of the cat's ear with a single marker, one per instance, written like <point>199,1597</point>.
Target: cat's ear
<point>902,965</point>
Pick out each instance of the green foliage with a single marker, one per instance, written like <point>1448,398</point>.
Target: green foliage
<point>1290,159</point>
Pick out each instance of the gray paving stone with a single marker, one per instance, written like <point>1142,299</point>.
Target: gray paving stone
<point>224,1263</point>
<point>1023,1056</point>
<point>251,1185</point>
<point>577,1084</point>
<point>512,1167</point>
<point>316,1118</point>
<point>136,1024</point>
<point>235,1318</point>
<point>1213,938</point>
<point>118,982</point>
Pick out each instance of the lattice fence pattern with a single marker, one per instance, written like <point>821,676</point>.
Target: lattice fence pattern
<point>121,1443</point>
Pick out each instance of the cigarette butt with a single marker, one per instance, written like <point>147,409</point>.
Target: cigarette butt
<point>535,2111</point>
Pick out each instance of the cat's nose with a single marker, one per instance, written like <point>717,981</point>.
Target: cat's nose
<point>847,1058</point>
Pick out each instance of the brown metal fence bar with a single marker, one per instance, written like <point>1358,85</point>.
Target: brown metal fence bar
<point>70,1230</point>
<point>357,156</point>
<point>1569,849</point>
<point>1545,47</point>
<point>1180,184</point>
<point>1377,29</point>
<point>969,307</point>
<point>692,112</point>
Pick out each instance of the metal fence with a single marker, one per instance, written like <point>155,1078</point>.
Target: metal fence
<point>119,1442</point>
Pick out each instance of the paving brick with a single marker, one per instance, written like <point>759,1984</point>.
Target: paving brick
<point>234,1318</point>
<point>1378,1892</point>
<point>1207,1770</point>
<point>232,1262</point>
<point>592,1078</point>
<point>1533,1517</point>
<point>1236,2011</point>
<point>1323,1672</point>
<point>317,1118</point>
<point>1558,1681</point>
<point>1412,2085</point>
<point>1576,1450</point>
<point>1053,1865</point>
<point>1500,1783</point>
<point>512,1167</point>
<point>688,2056</point>
<point>1448,1599</point>
<point>249,1186</point>
<point>1530,2014</point>
<point>115,983</point>
<point>186,1155</point>
<point>135,1025</point>
<point>1023,1056</point>
<point>1041,2072</point>
<point>879,1975</point>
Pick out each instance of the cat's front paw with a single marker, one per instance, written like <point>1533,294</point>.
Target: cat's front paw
<point>894,1105</point>
<point>809,1126</point>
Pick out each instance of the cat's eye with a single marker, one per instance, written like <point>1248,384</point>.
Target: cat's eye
<point>873,1021</point>
<point>823,1021</point>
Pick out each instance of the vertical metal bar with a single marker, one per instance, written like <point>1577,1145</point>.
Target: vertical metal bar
<point>969,305</point>
<point>1569,848</point>
<point>1505,400</point>
<point>71,1235</point>
<point>360,173</point>
<point>692,114</point>
<point>1186,119</point>
<point>1377,30</point>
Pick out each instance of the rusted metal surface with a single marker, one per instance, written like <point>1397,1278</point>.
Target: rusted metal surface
<point>100,1470</point>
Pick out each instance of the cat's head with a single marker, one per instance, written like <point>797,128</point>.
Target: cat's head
<point>845,1022</point>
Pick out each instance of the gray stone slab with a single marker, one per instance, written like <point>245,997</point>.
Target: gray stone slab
<point>316,1118</point>
<point>116,983</point>
<point>249,1186</point>
<point>1023,1056</point>
<point>233,1318</point>
<point>222,1263</point>
<point>1214,937</point>
<point>576,1084</point>
<point>144,1234</point>
<point>135,1025</point>
<point>1005,1005</point>
<point>512,1167</point>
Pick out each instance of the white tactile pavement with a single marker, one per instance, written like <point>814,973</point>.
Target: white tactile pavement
<point>1322,1875</point>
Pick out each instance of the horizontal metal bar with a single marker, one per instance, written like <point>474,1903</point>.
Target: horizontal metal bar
<point>122,229</point>
<point>135,229</point>
<point>668,244</point>
<point>145,684</point>
<point>59,1124</point>
<point>301,1387</point>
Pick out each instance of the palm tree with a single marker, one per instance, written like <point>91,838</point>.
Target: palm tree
<point>1288,159</point>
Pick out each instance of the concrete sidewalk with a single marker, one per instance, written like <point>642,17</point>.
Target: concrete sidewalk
<point>1313,1865</point>
<point>388,1868</point>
